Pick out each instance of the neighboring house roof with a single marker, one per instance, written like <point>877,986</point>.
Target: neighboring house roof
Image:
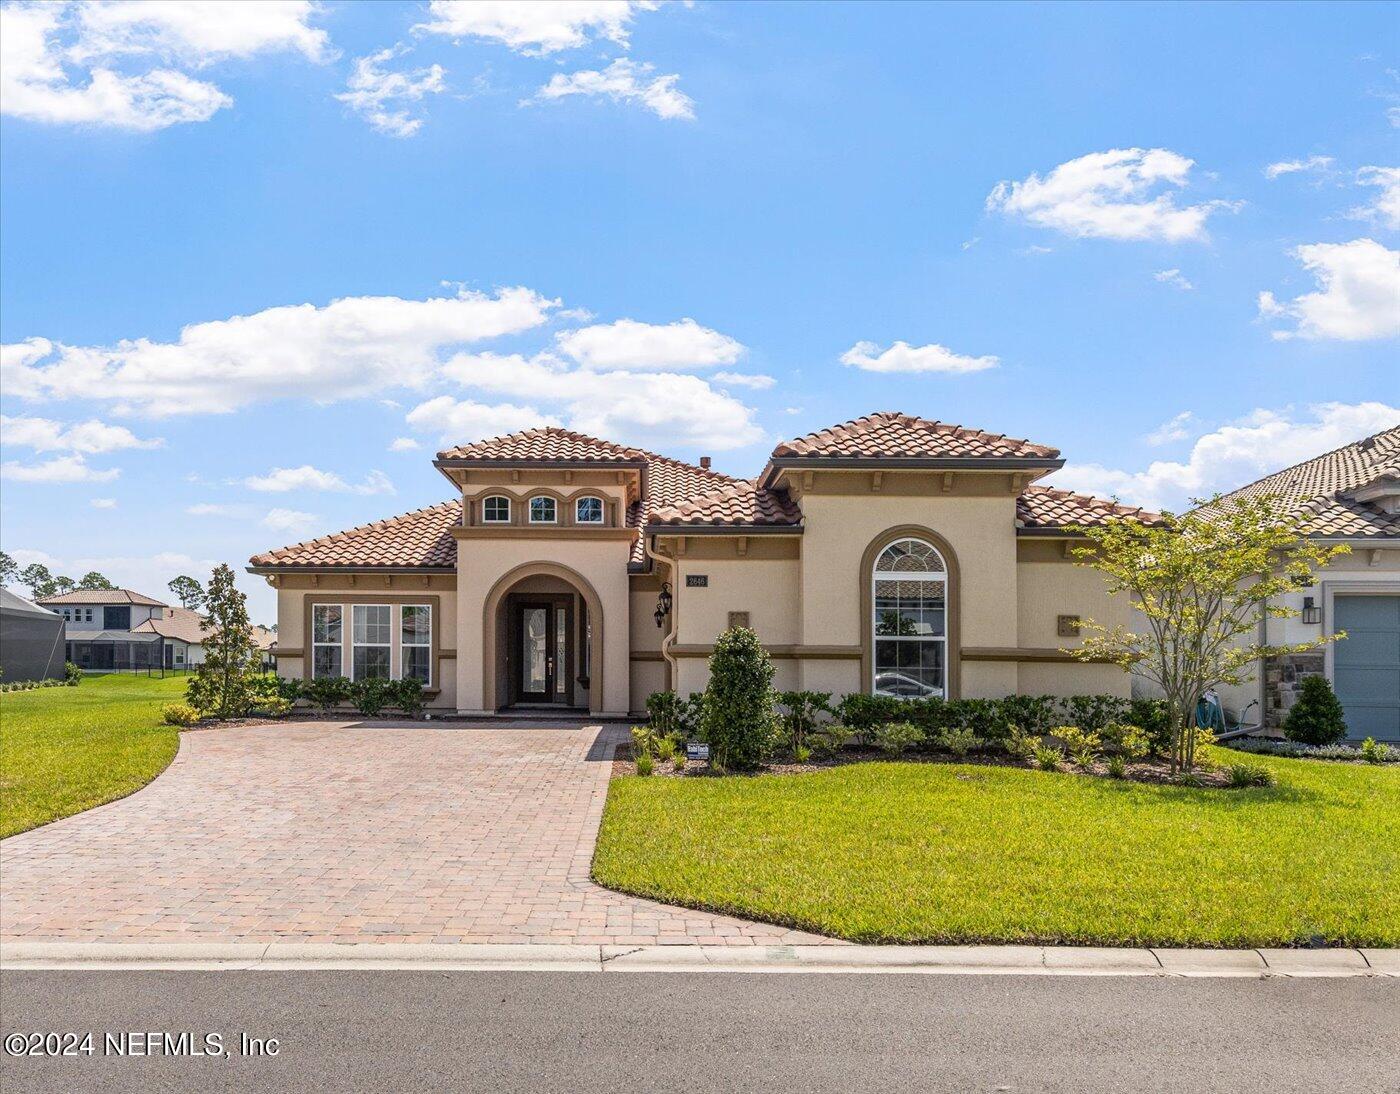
<point>1330,491</point>
<point>102,596</point>
<point>417,540</point>
<point>892,436</point>
<point>548,443</point>
<point>187,625</point>
<point>743,504</point>
<point>12,602</point>
<point>1046,508</point>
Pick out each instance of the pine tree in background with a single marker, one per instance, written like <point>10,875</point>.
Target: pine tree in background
<point>222,686</point>
<point>188,591</point>
<point>93,580</point>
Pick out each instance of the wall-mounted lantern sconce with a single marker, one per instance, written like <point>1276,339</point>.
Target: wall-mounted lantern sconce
<point>1311,612</point>
<point>663,604</point>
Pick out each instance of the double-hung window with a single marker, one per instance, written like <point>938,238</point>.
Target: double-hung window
<point>371,635</point>
<point>326,636</point>
<point>415,642</point>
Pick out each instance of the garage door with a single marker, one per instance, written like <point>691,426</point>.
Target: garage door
<point>1367,664</point>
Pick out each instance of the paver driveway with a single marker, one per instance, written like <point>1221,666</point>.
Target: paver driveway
<point>325,832</point>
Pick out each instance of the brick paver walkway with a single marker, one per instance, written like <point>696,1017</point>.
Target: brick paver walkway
<point>321,832</point>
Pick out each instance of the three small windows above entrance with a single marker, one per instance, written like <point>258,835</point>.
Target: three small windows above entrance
<point>544,509</point>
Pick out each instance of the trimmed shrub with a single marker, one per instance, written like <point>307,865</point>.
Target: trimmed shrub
<point>72,675</point>
<point>896,737</point>
<point>801,710</point>
<point>831,739</point>
<point>670,714</point>
<point>959,741</point>
<point>1083,744</point>
<point>1048,757</point>
<point>1383,753</point>
<point>1372,752</point>
<point>407,695</point>
<point>862,713</point>
<point>1127,741</point>
<point>643,741</point>
<point>370,696</point>
<point>326,692</point>
<point>1316,718</point>
<point>179,714</point>
<point>738,722</point>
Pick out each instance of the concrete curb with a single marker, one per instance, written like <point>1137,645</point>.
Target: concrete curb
<point>961,960</point>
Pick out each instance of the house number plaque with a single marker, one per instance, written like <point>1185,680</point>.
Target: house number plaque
<point>697,581</point>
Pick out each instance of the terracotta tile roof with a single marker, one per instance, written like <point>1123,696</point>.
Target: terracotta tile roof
<point>1044,507</point>
<point>743,503</point>
<point>187,625</point>
<point>670,483</point>
<point>893,436</point>
<point>547,443</point>
<point>101,596</point>
<point>1321,489</point>
<point>420,538</point>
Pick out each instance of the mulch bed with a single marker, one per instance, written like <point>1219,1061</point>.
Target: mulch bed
<point>1142,772</point>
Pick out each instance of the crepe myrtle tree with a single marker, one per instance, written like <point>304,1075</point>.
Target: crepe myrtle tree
<point>1203,582</point>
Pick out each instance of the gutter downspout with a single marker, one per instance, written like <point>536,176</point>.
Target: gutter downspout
<point>668,639</point>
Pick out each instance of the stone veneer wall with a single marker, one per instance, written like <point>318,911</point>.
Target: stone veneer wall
<point>1282,678</point>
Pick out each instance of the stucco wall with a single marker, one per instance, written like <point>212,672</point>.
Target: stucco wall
<point>766,588</point>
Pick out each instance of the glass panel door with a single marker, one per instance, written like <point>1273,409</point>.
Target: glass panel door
<point>534,654</point>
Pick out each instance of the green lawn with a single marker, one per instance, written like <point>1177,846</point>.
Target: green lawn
<point>63,750</point>
<point>903,852</point>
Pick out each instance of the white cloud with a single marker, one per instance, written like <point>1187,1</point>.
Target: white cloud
<point>623,81</point>
<point>462,422</point>
<point>90,437</point>
<point>1235,454</point>
<point>629,345</point>
<point>1290,167</point>
<point>354,347</point>
<point>289,521</point>
<point>1110,195</point>
<point>1359,297</point>
<point>757,381</point>
<point>1174,429</point>
<point>654,409</point>
<point>534,28</point>
<point>403,444</point>
<point>381,96</point>
<point>1174,278</point>
<point>213,509</point>
<point>60,469</point>
<point>280,480</point>
<point>45,47</point>
<point>103,503</point>
<point>1386,208</point>
<point>902,357</point>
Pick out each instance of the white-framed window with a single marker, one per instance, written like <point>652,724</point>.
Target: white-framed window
<point>543,510</point>
<point>87,615</point>
<point>588,511</point>
<point>909,628</point>
<point>371,641</point>
<point>327,636</point>
<point>416,643</point>
<point>495,510</point>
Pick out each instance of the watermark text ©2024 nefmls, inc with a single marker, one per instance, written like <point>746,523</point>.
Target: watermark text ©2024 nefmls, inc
<point>138,1043</point>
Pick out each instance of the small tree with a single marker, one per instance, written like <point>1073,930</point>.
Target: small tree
<point>188,591</point>
<point>1204,582</point>
<point>1316,718</point>
<point>738,721</point>
<point>93,580</point>
<point>222,685</point>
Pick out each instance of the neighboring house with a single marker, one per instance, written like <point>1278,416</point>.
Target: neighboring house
<point>31,640</point>
<point>1352,496</point>
<point>888,554</point>
<point>115,629</point>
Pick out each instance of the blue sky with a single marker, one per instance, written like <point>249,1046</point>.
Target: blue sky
<point>1162,238</point>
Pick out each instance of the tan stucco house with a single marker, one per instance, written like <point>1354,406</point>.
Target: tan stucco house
<point>889,554</point>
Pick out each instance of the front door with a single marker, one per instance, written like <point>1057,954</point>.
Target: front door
<point>542,652</point>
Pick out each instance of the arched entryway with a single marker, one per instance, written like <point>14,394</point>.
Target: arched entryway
<point>543,641</point>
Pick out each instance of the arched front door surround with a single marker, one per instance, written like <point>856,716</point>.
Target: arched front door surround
<point>952,688</point>
<point>490,628</point>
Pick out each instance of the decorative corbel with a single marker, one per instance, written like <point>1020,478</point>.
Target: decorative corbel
<point>680,546</point>
<point>875,477</point>
<point>741,545</point>
<point>947,481</point>
<point>315,580</point>
<point>1373,556</point>
<point>515,474</point>
<point>807,480</point>
<point>424,579</point>
<point>569,474</point>
<point>388,580</point>
<point>352,581</point>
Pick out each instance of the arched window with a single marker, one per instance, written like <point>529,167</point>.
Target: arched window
<point>543,510</point>
<point>495,510</point>
<point>910,627</point>
<point>588,511</point>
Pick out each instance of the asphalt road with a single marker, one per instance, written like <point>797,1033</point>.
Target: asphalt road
<point>525,1031</point>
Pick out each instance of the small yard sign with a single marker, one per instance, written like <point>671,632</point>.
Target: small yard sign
<point>694,750</point>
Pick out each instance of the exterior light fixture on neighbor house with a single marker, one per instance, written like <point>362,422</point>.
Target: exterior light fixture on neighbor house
<point>663,604</point>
